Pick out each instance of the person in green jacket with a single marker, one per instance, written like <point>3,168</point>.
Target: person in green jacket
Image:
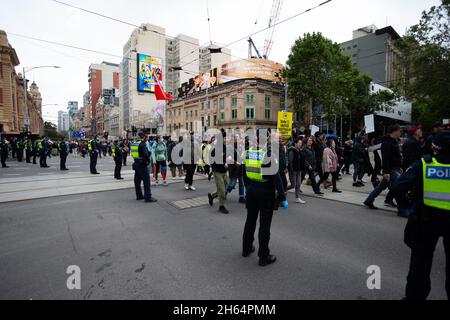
<point>159,155</point>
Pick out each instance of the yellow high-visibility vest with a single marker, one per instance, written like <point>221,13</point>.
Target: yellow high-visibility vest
<point>135,150</point>
<point>436,185</point>
<point>253,164</point>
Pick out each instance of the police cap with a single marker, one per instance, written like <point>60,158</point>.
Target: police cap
<point>141,134</point>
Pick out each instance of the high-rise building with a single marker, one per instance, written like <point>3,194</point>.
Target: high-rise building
<point>181,51</point>
<point>373,52</point>
<point>72,107</point>
<point>138,102</point>
<point>101,76</point>
<point>210,60</point>
<point>63,121</point>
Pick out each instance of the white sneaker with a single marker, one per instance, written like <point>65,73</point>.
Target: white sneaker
<point>298,200</point>
<point>165,184</point>
<point>192,188</point>
<point>157,182</point>
<point>186,186</point>
<point>182,178</point>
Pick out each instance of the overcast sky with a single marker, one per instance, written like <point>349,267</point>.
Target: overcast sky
<point>230,20</point>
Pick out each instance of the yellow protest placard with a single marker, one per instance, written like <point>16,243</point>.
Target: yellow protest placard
<point>285,124</point>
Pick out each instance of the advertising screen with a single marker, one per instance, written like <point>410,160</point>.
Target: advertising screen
<point>148,69</point>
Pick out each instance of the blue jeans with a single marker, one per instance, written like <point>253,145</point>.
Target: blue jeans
<point>384,184</point>
<point>312,178</point>
<point>232,185</point>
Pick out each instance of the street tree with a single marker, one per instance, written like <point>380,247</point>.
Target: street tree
<point>425,56</point>
<point>318,73</point>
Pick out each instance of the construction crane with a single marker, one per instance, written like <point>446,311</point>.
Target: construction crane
<point>274,17</point>
<point>268,43</point>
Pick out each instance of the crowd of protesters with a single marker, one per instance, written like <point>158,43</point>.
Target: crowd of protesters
<point>321,160</point>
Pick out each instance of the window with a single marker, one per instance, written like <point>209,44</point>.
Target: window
<point>187,126</point>
<point>267,114</point>
<point>222,116</point>
<point>233,101</point>
<point>215,120</point>
<point>250,113</point>
<point>268,101</point>
<point>1,70</point>
<point>234,114</point>
<point>222,103</point>
<point>215,103</point>
<point>191,114</point>
<point>250,98</point>
<point>1,95</point>
<point>187,114</point>
<point>196,113</point>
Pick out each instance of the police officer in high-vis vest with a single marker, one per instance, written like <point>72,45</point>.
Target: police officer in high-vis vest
<point>42,147</point>
<point>141,157</point>
<point>93,153</point>
<point>429,180</point>
<point>117,154</point>
<point>63,153</point>
<point>262,189</point>
<point>28,151</point>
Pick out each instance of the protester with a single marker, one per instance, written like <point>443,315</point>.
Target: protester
<point>159,154</point>
<point>330,164</point>
<point>296,168</point>
<point>310,164</point>
<point>412,150</point>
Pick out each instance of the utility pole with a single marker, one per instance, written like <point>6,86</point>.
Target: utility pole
<point>286,103</point>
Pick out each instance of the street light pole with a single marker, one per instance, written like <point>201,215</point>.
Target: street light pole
<point>25,89</point>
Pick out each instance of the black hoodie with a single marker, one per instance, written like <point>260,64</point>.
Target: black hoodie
<point>390,152</point>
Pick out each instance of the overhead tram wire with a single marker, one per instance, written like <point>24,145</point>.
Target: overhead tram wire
<point>119,21</point>
<point>83,49</point>
<point>274,25</point>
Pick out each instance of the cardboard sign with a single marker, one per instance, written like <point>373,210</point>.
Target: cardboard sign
<point>369,121</point>
<point>285,124</point>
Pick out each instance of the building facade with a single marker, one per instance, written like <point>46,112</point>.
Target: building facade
<point>101,76</point>
<point>238,104</point>
<point>12,98</point>
<point>208,61</point>
<point>137,107</point>
<point>181,51</point>
<point>373,52</point>
<point>63,121</point>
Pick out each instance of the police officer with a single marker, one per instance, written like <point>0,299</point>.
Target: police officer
<point>429,180</point>
<point>28,150</point>
<point>141,156</point>
<point>261,199</point>
<point>42,147</point>
<point>35,151</point>
<point>3,152</point>
<point>20,147</point>
<point>93,153</point>
<point>117,154</point>
<point>63,153</point>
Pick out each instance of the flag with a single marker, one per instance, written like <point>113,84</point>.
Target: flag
<point>159,92</point>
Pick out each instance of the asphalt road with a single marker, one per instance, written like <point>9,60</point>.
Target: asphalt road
<point>132,250</point>
<point>77,165</point>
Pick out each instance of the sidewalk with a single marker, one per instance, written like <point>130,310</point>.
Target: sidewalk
<point>350,194</point>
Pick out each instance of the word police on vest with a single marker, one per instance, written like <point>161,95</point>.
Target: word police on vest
<point>438,173</point>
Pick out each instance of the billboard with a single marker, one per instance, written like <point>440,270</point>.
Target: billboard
<point>148,68</point>
<point>241,69</point>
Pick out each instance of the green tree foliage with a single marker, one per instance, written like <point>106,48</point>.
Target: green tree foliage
<point>426,58</point>
<point>319,73</point>
<point>50,130</point>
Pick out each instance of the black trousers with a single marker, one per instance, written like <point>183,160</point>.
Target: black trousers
<point>190,171</point>
<point>125,156</point>
<point>28,156</point>
<point>62,161</point>
<point>260,201</point>
<point>19,155</point>
<point>141,174</point>
<point>422,239</point>
<point>93,162</point>
<point>4,156</point>
<point>43,158</point>
<point>118,168</point>
<point>35,154</point>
